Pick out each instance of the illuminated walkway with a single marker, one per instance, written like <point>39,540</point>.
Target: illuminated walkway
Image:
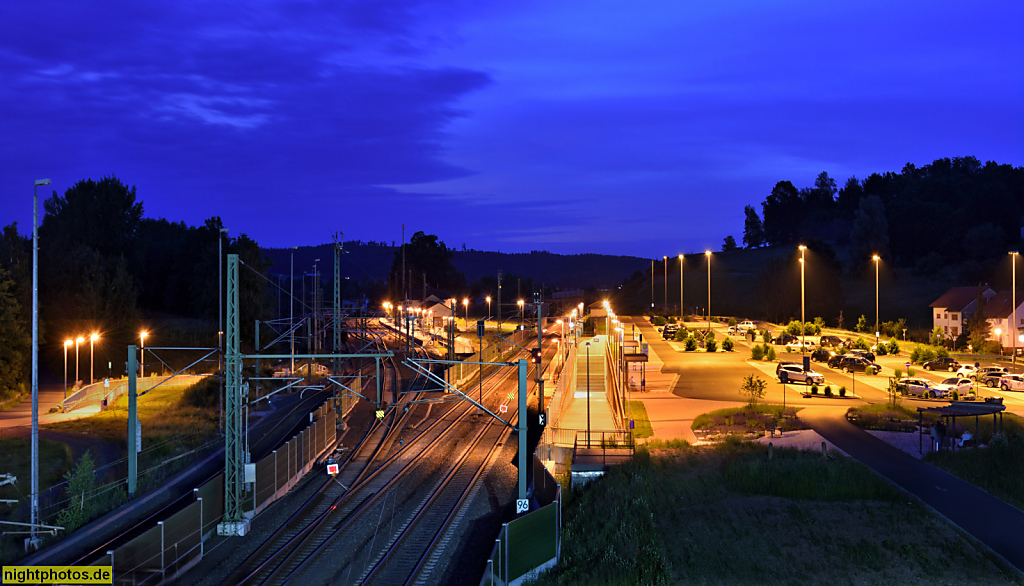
<point>575,417</point>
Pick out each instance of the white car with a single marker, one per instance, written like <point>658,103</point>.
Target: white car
<point>794,346</point>
<point>966,370</point>
<point>920,387</point>
<point>961,385</point>
<point>746,325</point>
<point>789,373</point>
<point>1012,382</point>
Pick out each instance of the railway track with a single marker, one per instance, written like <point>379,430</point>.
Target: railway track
<point>358,531</point>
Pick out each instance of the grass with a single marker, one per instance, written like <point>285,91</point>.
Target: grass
<point>884,417</point>
<point>728,515</point>
<point>746,420</point>
<point>641,421</point>
<point>15,458</point>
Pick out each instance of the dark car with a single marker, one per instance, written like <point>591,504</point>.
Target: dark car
<point>669,331</point>
<point>848,363</point>
<point>870,357</point>
<point>831,341</point>
<point>784,339</point>
<point>990,375</point>
<point>821,355</point>
<point>943,363</point>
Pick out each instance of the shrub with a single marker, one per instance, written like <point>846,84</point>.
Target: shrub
<point>927,354</point>
<point>756,352</point>
<point>672,319</point>
<point>732,322</point>
<point>711,346</point>
<point>956,395</point>
<point>910,372</point>
<point>727,344</point>
<point>682,334</point>
<point>915,355</point>
<point>898,373</point>
<point>814,389</point>
<point>869,370</point>
<point>880,350</point>
<point>793,328</point>
<point>941,352</point>
<point>842,391</point>
<point>861,344</point>
<point>893,347</point>
<point>658,320</point>
<point>828,391</point>
<point>691,344</point>
<point>769,353</point>
<point>766,336</point>
<point>753,388</point>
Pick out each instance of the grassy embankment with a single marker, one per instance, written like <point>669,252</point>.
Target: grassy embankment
<point>731,515</point>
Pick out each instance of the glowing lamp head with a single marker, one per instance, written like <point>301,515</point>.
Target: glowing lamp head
<point>94,337</point>
<point>79,340</point>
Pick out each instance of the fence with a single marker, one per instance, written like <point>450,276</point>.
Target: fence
<point>176,544</point>
<point>531,543</point>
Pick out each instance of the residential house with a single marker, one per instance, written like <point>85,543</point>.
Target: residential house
<point>1000,315</point>
<point>956,306</point>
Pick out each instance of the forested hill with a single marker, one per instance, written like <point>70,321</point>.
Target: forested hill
<point>950,211</point>
<point>364,261</point>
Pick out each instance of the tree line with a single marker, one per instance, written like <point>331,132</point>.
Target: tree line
<point>105,268</point>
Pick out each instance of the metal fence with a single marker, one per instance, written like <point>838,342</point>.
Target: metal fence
<point>175,544</point>
<point>103,395</point>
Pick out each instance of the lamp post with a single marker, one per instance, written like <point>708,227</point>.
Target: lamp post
<point>999,338</point>
<point>33,541</point>
<point>707,253</point>
<point>291,309</point>
<point>1013,310</point>
<point>588,394</point>
<point>488,307</point>
<point>465,306</point>
<point>78,341</point>
<point>664,260</point>
<point>521,312</point>
<point>142,353</point>
<point>803,320</point>
<point>66,344</point>
<point>92,362</point>
<point>682,309</point>
<point>876,259</point>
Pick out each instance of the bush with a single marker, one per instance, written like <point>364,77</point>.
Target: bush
<point>842,391</point>
<point>658,320</point>
<point>202,394</point>
<point>893,347</point>
<point>869,370</point>
<point>732,322</point>
<point>915,355</point>
<point>956,395</point>
<point>691,344</point>
<point>927,354</point>
<point>814,389</point>
<point>793,328</point>
<point>898,373</point>
<point>682,334</point>
<point>711,346</point>
<point>941,352</point>
<point>766,336</point>
<point>861,344</point>
<point>880,350</point>
<point>828,390</point>
<point>910,372</point>
<point>727,344</point>
<point>756,352</point>
<point>769,353</point>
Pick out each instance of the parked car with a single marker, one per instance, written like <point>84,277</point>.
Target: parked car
<point>821,355</point>
<point>919,387</point>
<point>669,331</point>
<point>790,373</point>
<point>784,339</point>
<point>942,363</point>
<point>796,345</point>
<point>1012,382</point>
<point>831,341</point>
<point>746,325</point>
<point>990,375</point>
<point>963,386</point>
<point>870,357</point>
<point>967,370</point>
<point>848,363</point>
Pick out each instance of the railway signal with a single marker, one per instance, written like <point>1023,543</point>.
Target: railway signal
<point>502,408</point>
<point>332,466</point>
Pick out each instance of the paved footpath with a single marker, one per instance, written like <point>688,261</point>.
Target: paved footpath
<point>989,519</point>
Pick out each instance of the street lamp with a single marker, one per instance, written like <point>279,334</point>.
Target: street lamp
<point>664,260</point>
<point>92,363</point>
<point>803,320</point>
<point>488,307</point>
<point>682,310</point>
<point>707,253</point>
<point>66,344</point>
<point>78,341</point>
<point>876,258</point>
<point>33,541</point>
<point>465,305</point>
<point>521,312</point>
<point>1013,310</point>
<point>142,344</point>
<point>999,338</point>
<point>588,394</point>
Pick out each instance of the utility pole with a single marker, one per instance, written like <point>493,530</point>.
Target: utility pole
<point>404,296</point>
<point>540,359</point>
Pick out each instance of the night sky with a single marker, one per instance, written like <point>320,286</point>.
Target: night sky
<point>616,127</point>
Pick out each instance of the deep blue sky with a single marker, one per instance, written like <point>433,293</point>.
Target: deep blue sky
<point>616,127</point>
